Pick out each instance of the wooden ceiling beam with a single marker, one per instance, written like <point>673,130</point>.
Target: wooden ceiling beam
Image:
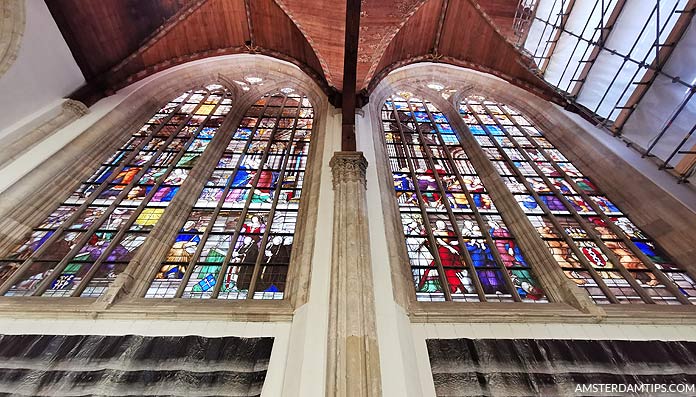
<point>350,71</point>
<point>440,24</point>
<point>250,25</point>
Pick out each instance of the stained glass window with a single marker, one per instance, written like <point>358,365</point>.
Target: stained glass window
<point>237,240</point>
<point>92,236</point>
<point>459,246</point>
<point>594,242</point>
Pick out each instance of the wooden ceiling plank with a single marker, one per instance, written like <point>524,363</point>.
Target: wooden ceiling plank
<point>157,35</point>
<point>305,32</point>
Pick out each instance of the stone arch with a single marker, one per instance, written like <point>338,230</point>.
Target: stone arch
<point>12,23</point>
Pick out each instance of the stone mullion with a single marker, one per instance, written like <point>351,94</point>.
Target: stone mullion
<point>276,197</point>
<point>669,284</point>
<point>135,279</point>
<point>209,169</point>
<point>424,214</point>
<point>136,213</point>
<point>547,212</point>
<point>464,253</point>
<point>19,221</point>
<point>353,352</point>
<point>245,210</point>
<point>479,219</point>
<point>579,218</point>
<point>556,285</point>
<point>88,201</point>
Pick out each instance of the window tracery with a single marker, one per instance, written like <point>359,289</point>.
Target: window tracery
<point>253,194</point>
<point>459,247</point>
<point>596,245</point>
<point>81,247</point>
<point>237,240</point>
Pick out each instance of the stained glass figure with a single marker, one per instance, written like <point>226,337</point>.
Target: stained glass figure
<point>459,246</point>
<point>237,240</point>
<point>595,244</point>
<point>92,236</point>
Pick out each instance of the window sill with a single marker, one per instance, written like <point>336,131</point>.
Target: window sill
<point>458,312</point>
<point>151,309</point>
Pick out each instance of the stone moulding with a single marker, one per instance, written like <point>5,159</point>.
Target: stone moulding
<point>21,141</point>
<point>12,23</point>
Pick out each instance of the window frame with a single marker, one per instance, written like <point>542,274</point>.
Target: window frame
<point>479,215</point>
<point>565,309</point>
<point>101,140</point>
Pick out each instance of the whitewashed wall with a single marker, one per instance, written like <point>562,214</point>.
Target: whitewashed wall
<point>43,74</point>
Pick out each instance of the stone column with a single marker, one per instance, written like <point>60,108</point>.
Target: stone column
<point>20,141</point>
<point>353,355</point>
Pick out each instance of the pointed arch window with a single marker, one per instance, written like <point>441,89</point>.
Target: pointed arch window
<point>458,244</point>
<point>237,240</point>
<point>594,242</point>
<point>240,229</point>
<point>90,238</point>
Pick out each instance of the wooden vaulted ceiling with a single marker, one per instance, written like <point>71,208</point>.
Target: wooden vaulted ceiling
<point>117,42</point>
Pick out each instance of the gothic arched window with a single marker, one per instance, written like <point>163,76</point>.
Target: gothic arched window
<point>458,244</point>
<point>81,247</point>
<point>253,193</point>
<point>237,240</point>
<point>596,244</point>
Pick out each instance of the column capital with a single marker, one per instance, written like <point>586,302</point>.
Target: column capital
<point>348,167</point>
<point>76,107</point>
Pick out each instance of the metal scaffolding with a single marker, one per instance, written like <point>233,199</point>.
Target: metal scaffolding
<point>623,90</point>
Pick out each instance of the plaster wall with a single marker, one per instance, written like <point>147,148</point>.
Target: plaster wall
<point>41,76</point>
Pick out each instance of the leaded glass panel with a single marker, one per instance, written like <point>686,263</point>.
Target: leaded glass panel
<point>459,246</point>
<point>593,241</point>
